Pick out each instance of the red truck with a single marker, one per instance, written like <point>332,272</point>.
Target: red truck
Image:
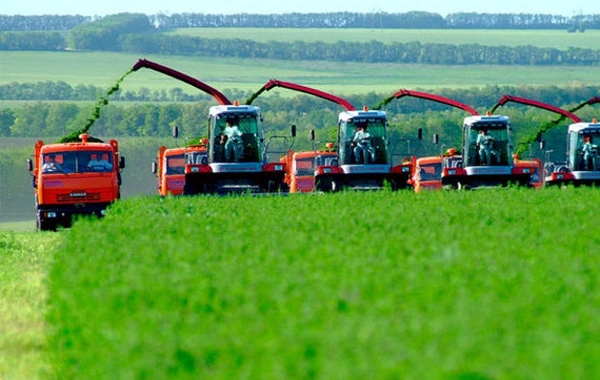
<point>74,178</point>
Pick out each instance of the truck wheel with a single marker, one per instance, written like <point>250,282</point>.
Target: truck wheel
<point>43,225</point>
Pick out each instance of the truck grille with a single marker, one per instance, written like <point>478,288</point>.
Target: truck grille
<point>77,196</point>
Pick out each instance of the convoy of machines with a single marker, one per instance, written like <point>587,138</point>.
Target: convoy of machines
<point>84,177</point>
<point>363,159</point>
<point>235,147</point>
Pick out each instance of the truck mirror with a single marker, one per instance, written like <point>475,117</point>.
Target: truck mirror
<point>293,130</point>
<point>29,164</point>
<point>436,138</point>
<point>312,135</point>
<point>175,132</point>
<point>122,162</point>
<point>154,167</point>
<point>542,145</point>
<point>420,133</point>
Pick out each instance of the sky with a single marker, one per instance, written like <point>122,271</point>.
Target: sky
<point>150,7</point>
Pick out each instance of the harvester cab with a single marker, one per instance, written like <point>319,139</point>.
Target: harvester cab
<point>429,172</point>
<point>583,163</point>
<point>582,166</point>
<point>235,161</point>
<point>488,150</point>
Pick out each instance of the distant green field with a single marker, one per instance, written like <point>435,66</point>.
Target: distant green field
<point>441,285</point>
<point>103,69</point>
<point>558,39</point>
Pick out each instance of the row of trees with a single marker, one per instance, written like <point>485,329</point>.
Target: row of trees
<point>420,20</point>
<point>411,52</point>
<point>134,33</point>
<point>477,97</point>
<point>156,119</point>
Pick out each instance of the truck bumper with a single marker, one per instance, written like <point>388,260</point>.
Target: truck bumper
<point>49,217</point>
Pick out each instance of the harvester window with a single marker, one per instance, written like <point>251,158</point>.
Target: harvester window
<point>365,142</point>
<point>488,147</point>
<point>236,139</point>
<point>588,152</point>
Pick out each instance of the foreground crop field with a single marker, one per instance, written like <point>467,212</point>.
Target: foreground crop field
<point>488,285</point>
<point>25,259</point>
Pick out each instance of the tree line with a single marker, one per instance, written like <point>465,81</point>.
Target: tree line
<point>373,20</point>
<point>156,118</point>
<point>135,33</point>
<point>371,52</point>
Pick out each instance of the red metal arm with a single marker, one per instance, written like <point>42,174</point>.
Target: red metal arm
<point>530,102</point>
<point>436,98</point>
<point>308,90</point>
<point>222,99</point>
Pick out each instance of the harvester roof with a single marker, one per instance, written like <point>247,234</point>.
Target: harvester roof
<point>487,122</point>
<point>361,115</point>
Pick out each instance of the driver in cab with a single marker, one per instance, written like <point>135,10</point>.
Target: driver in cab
<point>96,163</point>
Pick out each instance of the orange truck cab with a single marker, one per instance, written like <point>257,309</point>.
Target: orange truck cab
<point>537,177</point>
<point>428,172</point>
<point>301,167</point>
<point>75,178</point>
<point>170,167</point>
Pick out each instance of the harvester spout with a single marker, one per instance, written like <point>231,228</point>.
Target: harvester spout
<point>435,98</point>
<point>534,103</point>
<point>222,99</point>
<point>305,89</point>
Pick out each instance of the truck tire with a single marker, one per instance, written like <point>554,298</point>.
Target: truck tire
<point>44,225</point>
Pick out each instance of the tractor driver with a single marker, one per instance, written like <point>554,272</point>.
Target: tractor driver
<point>232,139</point>
<point>485,147</point>
<point>362,144</point>
<point>588,150</point>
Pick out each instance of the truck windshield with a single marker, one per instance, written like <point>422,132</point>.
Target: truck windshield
<point>175,164</point>
<point>305,166</point>
<point>77,162</point>
<point>431,172</point>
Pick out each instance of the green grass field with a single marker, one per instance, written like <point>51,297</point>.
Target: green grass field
<point>447,285</point>
<point>558,39</point>
<point>344,78</point>
<point>25,259</point>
